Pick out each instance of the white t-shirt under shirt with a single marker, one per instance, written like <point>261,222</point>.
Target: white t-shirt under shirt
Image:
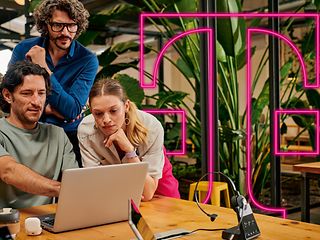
<point>94,152</point>
<point>45,149</point>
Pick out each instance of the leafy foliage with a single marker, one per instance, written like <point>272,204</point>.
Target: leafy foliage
<point>231,56</point>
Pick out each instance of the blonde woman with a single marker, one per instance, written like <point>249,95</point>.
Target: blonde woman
<point>117,132</point>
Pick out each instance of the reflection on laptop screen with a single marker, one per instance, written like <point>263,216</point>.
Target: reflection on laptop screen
<point>138,223</point>
<point>143,231</point>
<point>5,234</point>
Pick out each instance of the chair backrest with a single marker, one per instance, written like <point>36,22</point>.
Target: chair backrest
<point>168,185</point>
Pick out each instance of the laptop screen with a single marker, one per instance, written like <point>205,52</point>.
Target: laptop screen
<point>5,234</point>
<point>97,195</point>
<point>138,223</point>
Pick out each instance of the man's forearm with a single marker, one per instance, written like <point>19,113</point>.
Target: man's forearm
<point>25,179</point>
<point>69,101</point>
<point>51,111</point>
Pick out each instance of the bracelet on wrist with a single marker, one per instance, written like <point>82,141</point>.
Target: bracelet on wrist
<point>131,154</point>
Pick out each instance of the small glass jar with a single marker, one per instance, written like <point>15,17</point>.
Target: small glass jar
<point>10,218</point>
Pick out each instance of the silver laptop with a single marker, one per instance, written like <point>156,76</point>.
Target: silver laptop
<point>95,196</point>
<point>142,230</point>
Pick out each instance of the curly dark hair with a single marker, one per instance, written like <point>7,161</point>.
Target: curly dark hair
<point>14,77</point>
<point>75,9</point>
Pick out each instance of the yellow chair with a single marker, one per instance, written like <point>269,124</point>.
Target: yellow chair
<point>217,188</point>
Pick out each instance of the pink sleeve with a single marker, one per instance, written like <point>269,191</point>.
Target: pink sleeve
<point>168,184</point>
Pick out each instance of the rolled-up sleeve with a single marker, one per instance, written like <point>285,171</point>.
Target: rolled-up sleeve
<point>3,152</point>
<point>89,154</point>
<point>70,102</point>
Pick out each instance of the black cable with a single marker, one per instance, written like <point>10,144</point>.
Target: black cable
<point>213,216</point>
<point>190,232</point>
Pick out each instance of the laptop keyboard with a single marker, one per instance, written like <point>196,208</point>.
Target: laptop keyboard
<point>48,219</point>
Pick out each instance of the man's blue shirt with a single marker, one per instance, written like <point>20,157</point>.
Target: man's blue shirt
<point>71,79</point>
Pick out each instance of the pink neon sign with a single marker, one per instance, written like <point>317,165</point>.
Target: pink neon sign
<point>143,16</point>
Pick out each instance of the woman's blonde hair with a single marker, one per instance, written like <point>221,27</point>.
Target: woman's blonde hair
<point>135,130</point>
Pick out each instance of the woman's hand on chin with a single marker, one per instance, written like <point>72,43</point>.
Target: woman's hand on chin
<point>121,139</point>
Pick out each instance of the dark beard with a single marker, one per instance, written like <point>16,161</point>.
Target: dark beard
<point>55,42</point>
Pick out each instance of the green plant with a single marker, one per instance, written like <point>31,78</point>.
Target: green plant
<point>293,96</point>
<point>230,50</point>
<point>164,99</point>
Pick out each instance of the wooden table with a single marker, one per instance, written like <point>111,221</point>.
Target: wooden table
<point>163,214</point>
<point>308,170</point>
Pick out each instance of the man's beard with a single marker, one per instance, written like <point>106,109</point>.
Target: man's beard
<point>55,40</point>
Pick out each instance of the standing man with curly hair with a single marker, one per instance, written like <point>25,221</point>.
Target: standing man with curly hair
<point>71,66</point>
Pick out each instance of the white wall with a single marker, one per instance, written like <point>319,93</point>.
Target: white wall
<point>5,56</point>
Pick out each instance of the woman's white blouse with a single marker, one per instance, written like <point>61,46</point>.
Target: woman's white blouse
<point>94,153</point>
